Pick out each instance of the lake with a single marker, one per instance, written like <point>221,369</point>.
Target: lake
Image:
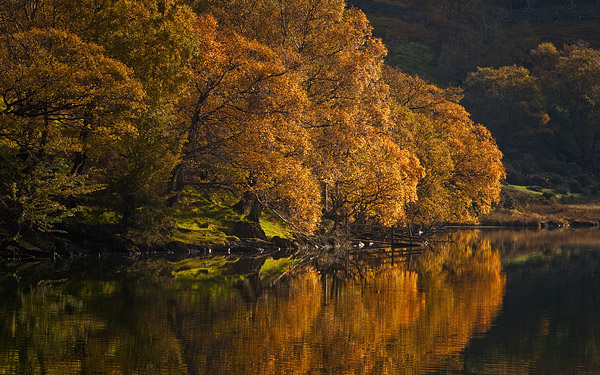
<point>482,302</point>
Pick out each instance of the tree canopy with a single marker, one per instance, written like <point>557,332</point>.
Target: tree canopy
<point>287,105</point>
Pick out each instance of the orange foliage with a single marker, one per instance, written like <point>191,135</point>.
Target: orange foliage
<point>281,99</point>
<point>463,167</point>
<point>57,87</point>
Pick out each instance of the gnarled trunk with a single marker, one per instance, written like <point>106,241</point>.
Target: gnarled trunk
<point>250,206</point>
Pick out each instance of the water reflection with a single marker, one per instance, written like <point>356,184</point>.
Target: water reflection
<point>549,322</point>
<point>139,319</point>
<point>514,243</point>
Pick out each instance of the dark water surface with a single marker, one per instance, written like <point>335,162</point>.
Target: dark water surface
<point>457,310</point>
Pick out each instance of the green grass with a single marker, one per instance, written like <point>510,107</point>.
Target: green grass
<point>535,192</point>
<point>522,190</point>
<point>200,219</point>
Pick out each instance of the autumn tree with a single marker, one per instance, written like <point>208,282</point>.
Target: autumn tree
<point>241,117</point>
<point>463,167</point>
<point>156,39</point>
<point>293,84</point>
<point>363,172</point>
<point>60,96</point>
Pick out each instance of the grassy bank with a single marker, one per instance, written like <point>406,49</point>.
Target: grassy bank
<point>200,223</point>
<point>539,208</point>
<point>208,219</point>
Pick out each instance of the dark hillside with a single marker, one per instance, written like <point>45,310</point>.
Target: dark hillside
<point>468,33</point>
<point>547,138</point>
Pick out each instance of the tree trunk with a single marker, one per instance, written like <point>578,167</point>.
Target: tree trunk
<point>437,48</point>
<point>79,162</point>
<point>176,182</point>
<point>127,215</point>
<point>243,205</point>
<point>255,210</point>
<point>250,206</point>
<point>176,185</point>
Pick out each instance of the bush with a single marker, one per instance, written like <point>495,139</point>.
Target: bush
<point>555,179</point>
<point>575,187</point>
<point>562,189</point>
<point>539,180</point>
<point>584,179</point>
<point>549,197</point>
<point>574,169</point>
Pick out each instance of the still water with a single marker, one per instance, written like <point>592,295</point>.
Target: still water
<point>484,302</point>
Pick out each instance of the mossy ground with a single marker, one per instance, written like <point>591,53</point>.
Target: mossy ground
<point>200,219</point>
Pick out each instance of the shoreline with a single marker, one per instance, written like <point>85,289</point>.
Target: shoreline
<point>97,242</point>
<point>545,216</point>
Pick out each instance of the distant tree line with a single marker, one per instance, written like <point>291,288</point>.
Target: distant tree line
<point>545,116</point>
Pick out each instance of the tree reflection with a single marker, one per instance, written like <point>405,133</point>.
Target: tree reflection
<point>520,244</point>
<point>55,332</point>
<point>389,321</point>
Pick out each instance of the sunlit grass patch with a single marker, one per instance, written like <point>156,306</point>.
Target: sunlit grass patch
<point>274,226</point>
<point>532,206</point>
<point>536,191</point>
<point>199,217</point>
<point>522,189</point>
